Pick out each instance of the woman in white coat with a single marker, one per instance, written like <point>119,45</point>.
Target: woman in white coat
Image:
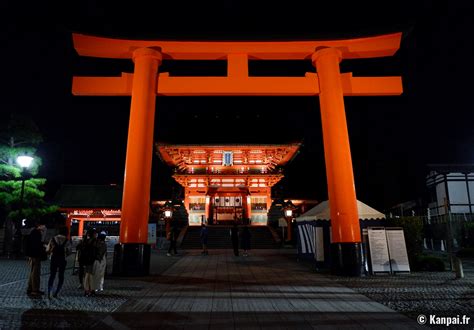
<point>101,262</point>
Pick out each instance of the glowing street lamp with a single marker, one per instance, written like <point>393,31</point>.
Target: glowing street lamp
<point>24,161</point>
<point>168,214</point>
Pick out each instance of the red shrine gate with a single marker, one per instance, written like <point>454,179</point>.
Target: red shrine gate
<point>223,183</point>
<point>331,86</point>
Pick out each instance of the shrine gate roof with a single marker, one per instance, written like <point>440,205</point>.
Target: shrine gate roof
<point>271,155</point>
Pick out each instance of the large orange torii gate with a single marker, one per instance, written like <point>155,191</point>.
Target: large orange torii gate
<point>331,86</point>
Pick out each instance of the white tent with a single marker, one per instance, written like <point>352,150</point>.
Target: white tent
<point>322,212</point>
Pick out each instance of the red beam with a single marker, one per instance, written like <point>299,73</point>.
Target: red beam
<point>103,86</point>
<point>377,46</point>
<point>241,86</point>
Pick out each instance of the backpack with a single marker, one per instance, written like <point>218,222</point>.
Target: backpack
<point>59,250</point>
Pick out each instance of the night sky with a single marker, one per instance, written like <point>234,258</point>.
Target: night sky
<point>392,138</point>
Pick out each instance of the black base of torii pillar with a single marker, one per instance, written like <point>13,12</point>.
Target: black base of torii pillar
<point>346,259</point>
<point>131,259</point>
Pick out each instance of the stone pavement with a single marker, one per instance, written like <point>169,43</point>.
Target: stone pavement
<point>268,289</point>
<point>439,293</point>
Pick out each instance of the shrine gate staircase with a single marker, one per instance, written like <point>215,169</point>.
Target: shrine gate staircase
<point>219,238</point>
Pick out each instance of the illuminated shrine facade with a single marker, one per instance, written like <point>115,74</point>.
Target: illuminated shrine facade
<point>223,183</point>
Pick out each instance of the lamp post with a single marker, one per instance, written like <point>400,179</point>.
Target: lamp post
<point>24,162</point>
<point>168,215</point>
<point>288,209</point>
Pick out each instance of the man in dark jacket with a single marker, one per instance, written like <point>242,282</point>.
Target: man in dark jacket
<point>172,237</point>
<point>234,235</point>
<point>204,235</point>
<point>245,240</point>
<point>35,252</point>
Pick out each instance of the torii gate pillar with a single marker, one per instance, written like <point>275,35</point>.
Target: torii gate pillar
<point>132,255</point>
<point>345,243</point>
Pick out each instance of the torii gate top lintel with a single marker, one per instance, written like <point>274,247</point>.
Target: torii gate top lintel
<point>237,54</point>
<point>368,47</point>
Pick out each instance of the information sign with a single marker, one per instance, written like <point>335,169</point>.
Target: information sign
<point>379,256</point>
<point>397,250</point>
<point>152,233</point>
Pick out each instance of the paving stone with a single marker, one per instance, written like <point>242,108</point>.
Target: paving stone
<point>269,289</point>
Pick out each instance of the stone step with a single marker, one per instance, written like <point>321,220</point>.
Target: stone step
<point>219,238</point>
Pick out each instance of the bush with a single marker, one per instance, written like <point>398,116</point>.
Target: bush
<point>413,232</point>
<point>429,263</point>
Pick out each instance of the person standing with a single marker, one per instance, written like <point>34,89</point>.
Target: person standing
<point>59,248</point>
<point>101,262</point>
<point>245,240</point>
<point>36,252</point>
<point>172,237</point>
<point>203,235</point>
<point>88,257</point>
<point>234,235</point>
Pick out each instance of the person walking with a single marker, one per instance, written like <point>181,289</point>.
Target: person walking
<point>172,237</point>
<point>88,257</point>
<point>234,235</point>
<point>245,240</point>
<point>59,249</point>
<point>101,262</point>
<point>36,252</point>
<point>203,235</point>
<point>80,271</point>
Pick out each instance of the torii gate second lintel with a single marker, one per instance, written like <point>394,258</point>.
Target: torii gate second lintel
<point>331,86</point>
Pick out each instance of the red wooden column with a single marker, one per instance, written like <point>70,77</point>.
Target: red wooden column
<point>68,226</point>
<point>80,231</point>
<point>248,207</point>
<point>346,238</point>
<point>207,207</point>
<point>136,186</point>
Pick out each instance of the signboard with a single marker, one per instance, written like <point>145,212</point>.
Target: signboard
<point>319,244</point>
<point>379,257</point>
<point>397,250</point>
<point>151,233</point>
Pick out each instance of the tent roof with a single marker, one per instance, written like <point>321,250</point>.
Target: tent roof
<point>322,212</point>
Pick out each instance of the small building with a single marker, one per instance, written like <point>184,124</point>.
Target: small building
<point>451,189</point>
<point>223,183</point>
